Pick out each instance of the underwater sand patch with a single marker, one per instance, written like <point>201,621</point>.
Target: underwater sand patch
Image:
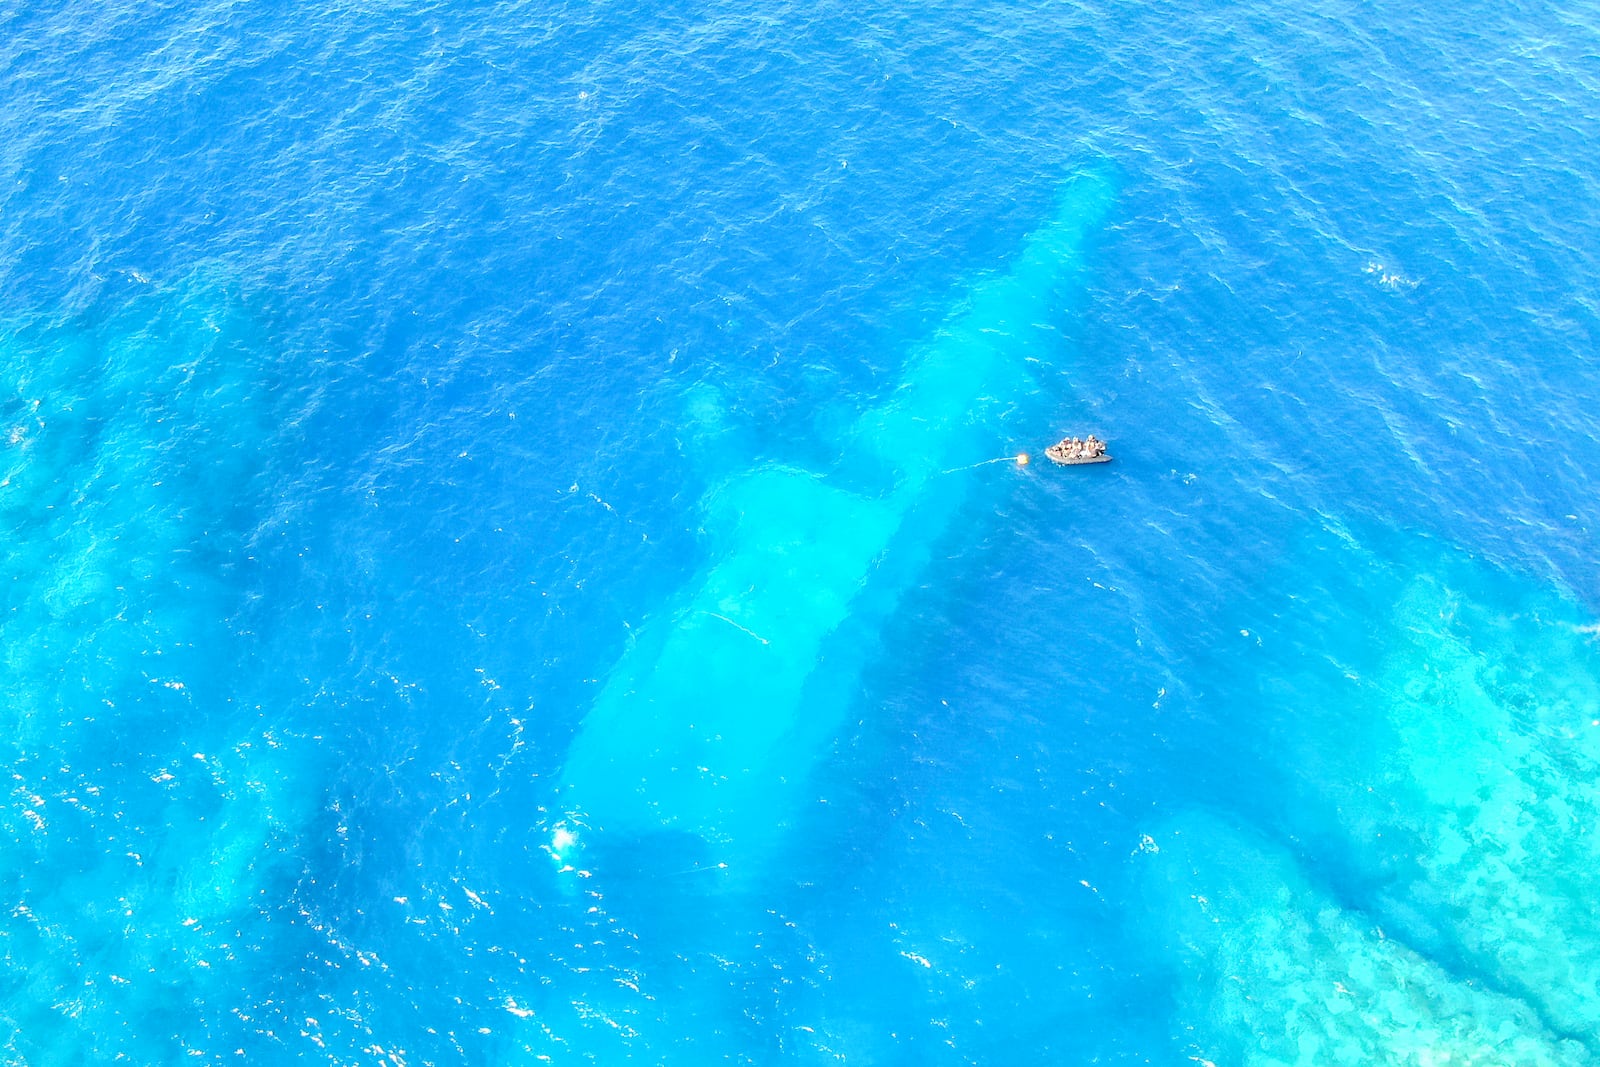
<point>1272,971</point>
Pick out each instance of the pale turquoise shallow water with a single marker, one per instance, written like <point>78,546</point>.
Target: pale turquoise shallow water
<point>424,424</point>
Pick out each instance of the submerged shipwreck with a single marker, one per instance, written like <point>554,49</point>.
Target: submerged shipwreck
<point>707,730</point>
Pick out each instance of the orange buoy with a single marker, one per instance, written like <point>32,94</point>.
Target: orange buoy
<point>1022,459</point>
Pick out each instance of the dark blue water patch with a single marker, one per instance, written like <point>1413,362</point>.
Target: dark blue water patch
<point>1008,753</point>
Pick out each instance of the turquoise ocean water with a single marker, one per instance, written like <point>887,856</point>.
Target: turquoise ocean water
<point>513,552</point>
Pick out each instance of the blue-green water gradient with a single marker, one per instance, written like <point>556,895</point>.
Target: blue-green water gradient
<point>420,421</point>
